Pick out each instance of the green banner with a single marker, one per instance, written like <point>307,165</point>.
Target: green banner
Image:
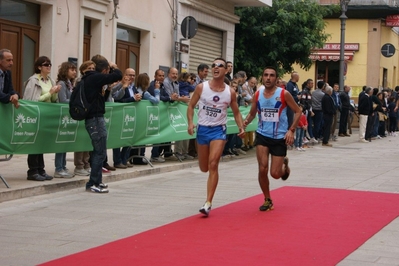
<point>37,127</point>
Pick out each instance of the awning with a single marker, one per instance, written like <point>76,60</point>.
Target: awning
<point>330,56</point>
<point>256,3</point>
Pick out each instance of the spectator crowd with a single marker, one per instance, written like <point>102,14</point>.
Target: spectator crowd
<point>326,112</point>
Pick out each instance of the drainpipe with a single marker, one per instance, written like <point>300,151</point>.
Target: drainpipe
<point>175,30</point>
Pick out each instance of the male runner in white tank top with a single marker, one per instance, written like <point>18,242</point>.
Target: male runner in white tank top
<point>214,97</point>
<point>274,132</point>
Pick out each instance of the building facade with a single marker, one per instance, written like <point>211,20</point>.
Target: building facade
<point>131,33</point>
<point>365,35</point>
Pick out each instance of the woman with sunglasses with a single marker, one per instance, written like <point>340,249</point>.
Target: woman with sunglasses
<point>40,88</point>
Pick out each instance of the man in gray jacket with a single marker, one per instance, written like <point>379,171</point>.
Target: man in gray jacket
<point>317,96</point>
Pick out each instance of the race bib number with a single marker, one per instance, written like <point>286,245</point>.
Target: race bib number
<point>270,115</point>
<point>211,113</point>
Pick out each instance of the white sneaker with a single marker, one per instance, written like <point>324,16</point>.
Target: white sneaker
<point>302,149</point>
<point>241,151</point>
<point>305,140</point>
<point>298,149</point>
<point>81,172</point>
<point>206,208</point>
<point>313,140</point>
<point>364,141</point>
<point>378,137</point>
<point>157,159</point>
<point>96,189</point>
<point>63,174</point>
<point>188,157</point>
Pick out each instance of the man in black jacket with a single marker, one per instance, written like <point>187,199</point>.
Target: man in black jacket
<point>345,107</point>
<point>96,92</point>
<point>7,93</point>
<point>364,109</point>
<point>329,109</point>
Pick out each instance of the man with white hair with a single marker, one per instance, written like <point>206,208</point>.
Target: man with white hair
<point>329,109</point>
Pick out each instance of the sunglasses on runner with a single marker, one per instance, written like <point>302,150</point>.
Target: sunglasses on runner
<point>218,65</point>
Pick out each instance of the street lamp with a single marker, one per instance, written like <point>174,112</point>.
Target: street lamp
<point>343,17</point>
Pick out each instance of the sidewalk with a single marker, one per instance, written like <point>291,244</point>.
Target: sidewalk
<point>52,225</point>
<point>14,172</point>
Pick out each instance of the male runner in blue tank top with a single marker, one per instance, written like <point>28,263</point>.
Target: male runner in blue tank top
<point>213,98</point>
<point>273,133</point>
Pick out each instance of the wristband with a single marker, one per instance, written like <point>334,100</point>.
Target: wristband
<point>292,130</point>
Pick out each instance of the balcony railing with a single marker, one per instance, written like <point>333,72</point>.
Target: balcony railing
<point>393,3</point>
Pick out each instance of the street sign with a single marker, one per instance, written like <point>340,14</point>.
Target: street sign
<point>181,47</point>
<point>189,27</point>
<point>388,50</point>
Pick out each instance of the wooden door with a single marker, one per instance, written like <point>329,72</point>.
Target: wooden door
<point>23,42</point>
<point>128,55</point>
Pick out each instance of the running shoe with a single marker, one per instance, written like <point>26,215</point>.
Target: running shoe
<point>96,189</point>
<point>103,185</point>
<point>267,206</point>
<point>206,208</point>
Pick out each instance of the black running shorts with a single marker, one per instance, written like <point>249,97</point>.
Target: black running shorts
<point>277,147</point>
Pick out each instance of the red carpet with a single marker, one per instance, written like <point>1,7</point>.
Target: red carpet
<point>309,226</point>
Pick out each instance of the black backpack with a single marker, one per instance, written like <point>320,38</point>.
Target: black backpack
<point>79,107</point>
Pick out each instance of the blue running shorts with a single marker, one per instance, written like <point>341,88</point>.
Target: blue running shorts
<point>206,134</point>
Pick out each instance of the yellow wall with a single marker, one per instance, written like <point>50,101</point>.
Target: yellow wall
<point>368,63</point>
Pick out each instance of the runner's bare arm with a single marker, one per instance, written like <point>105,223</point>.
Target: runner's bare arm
<point>252,113</point>
<point>190,110</point>
<point>237,114</point>
<point>289,136</point>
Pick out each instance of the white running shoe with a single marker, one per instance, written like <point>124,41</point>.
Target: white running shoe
<point>206,209</point>
<point>97,189</point>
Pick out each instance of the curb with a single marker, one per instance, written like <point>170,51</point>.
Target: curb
<point>68,184</point>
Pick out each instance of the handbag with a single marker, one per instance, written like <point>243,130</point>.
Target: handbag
<point>382,116</point>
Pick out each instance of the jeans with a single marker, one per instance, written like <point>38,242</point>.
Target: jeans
<point>317,119</point>
<point>155,152</point>
<point>60,161</point>
<point>98,135</point>
<point>298,137</point>
<point>392,124</point>
<point>310,125</point>
<point>121,155</point>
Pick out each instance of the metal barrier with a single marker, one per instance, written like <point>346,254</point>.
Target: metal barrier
<point>6,158</point>
<point>149,146</point>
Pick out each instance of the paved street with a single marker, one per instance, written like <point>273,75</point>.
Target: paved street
<point>36,229</point>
